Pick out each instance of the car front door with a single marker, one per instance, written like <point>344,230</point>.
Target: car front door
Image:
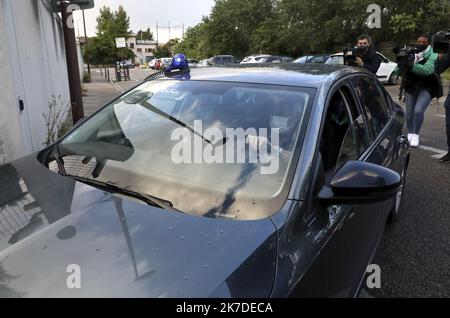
<point>385,70</point>
<point>346,235</point>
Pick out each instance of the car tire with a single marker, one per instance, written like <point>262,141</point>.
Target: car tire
<point>393,79</point>
<point>395,214</point>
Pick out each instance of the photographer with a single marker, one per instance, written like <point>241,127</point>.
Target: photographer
<point>365,54</point>
<point>421,84</point>
<point>442,64</point>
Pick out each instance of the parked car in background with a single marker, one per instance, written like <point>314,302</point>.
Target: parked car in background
<point>152,64</point>
<point>222,60</point>
<point>265,58</point>
<point>287,59</point>
<point>193,63</point>
<point>127,64</point>
<point>203,63</point>
<point>320,59</point>
<point>385,73</point>
<point>255,59</point>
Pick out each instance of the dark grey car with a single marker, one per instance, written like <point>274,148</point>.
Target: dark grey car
<point>108,203</point>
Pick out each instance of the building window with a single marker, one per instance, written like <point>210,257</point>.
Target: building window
<point>139,50</point>
<point>132,45</point>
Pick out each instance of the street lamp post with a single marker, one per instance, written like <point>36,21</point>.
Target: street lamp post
<point>85,43</point>
<point>72,63</point>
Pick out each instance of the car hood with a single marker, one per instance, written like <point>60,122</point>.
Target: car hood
<point>62,238</point>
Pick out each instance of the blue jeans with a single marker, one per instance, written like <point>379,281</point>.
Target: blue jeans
<point>416,105</point>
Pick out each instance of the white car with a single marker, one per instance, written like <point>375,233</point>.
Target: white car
<point>385,73</point>
<point>151,64</point>
<point>253,59</point>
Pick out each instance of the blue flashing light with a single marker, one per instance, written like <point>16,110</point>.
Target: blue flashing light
<point>178,68</point>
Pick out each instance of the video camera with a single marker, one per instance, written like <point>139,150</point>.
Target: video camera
<point>351,53</point>
<point>405,55</point>
<point>441,42</point>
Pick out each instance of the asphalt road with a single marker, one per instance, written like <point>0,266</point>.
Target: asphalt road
<point>414,254</point>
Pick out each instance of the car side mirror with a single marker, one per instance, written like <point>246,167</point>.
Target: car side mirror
<point>358,182</point>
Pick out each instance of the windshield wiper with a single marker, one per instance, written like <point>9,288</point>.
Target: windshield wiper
<point>146,198</point>
<point>180,123</point>
<point>59,160</point>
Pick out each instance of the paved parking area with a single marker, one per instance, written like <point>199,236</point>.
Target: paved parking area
<point>414,254</point>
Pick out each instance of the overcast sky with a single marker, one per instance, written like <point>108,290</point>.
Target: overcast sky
<point>145,13</point>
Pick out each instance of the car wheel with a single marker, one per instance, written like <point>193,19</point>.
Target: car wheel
<point>393,79</point>
<point>396,209</point>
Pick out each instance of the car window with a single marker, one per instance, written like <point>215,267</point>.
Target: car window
<point>301,59</point>
<point>373,102</point>
<point>345,136</point>
<point>335,60</point>
<point>227,60</point>
<point>316,59</point>
<point>387,98</point>
<point>273,59</point>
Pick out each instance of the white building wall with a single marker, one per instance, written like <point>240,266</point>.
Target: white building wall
<point>33,69</point>
<point>147,49</point>
<point>11,145</point>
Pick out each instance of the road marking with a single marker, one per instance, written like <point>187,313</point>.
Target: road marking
<point>439,115</point>
<point>439,152</point>
<point>120,89</point>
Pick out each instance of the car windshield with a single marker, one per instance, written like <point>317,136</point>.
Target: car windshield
<point>180,141</point>
<point>301,59</point>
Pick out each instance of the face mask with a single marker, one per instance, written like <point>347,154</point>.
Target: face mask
<point>279,122</point>
<point>421,47</point>
<point>363,48</point>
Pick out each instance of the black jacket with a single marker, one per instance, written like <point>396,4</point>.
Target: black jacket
<point>441,66</point>
<point>372,61</point>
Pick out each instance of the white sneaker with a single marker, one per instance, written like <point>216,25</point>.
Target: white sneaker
<point>410,138</point>
<point>415,141</point>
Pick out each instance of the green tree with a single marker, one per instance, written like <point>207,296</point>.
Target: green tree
<point>232,22</point>
<point>145,35</point>
<point>297,27</point>
<point>101,50</point>
<point>195,44</point>
<point>167,49</point>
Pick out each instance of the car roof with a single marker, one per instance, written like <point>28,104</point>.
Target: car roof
<point>341,54</point>
<point>301,75</point>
